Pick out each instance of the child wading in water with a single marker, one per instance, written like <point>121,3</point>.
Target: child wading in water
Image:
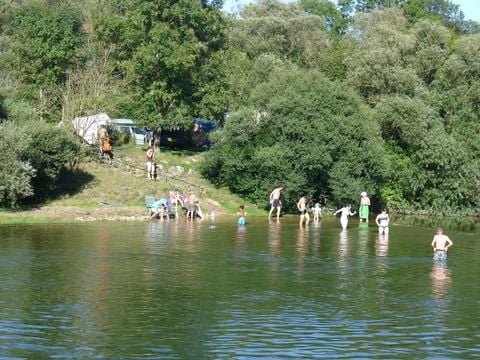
<point>317,212</point>
<point>241,213</point>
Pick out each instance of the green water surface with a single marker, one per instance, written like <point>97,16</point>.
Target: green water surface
<point>203,290</point>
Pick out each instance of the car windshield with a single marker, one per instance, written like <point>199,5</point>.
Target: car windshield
<point>139,131</point>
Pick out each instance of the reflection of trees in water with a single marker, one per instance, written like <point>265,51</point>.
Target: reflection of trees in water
<point>465,224</point>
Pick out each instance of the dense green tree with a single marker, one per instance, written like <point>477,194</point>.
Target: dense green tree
<point>458,90</point>
<point>444,11</point>
<point>379,66</point>
<point>327,9</point>
<point>50,151</point>
<point>304,131</point>
<point>15,173</point>
<point>431,169</point>
<point>45,41</point>
<point>162,47</point>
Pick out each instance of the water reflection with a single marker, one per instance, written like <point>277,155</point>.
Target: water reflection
<point>343,252</point>
<point>441,279</point>
<point>363,237</point>
<point>274,236</point>
<point>465,224</point>
<point>302,248</point>
<point>316,235</point>
<point>274,241</point>
<point>241,236</point>
<point>381,245</point>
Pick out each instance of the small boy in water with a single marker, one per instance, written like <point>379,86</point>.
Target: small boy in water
<point>317,212</point>
<point>440,244</point>
<point>241,213</point>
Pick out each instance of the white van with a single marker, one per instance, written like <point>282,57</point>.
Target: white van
<point>127,125</point>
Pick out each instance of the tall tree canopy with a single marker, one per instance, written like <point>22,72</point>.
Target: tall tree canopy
<point>306,132</point>
<point>163,47</point>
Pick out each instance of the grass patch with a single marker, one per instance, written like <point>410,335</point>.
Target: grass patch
<point>94,189</point>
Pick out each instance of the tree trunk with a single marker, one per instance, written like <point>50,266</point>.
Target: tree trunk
<point>156,139</point>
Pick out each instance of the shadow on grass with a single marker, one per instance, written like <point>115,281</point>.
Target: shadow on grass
<point>70,183</point>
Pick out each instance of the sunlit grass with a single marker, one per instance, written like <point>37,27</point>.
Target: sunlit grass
<point>119,189</point>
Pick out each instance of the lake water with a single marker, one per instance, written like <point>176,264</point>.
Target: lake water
<point>183,290</point>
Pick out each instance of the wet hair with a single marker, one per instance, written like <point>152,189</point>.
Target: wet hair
<point>241,207</point>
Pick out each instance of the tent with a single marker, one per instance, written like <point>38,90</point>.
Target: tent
<point>87,126</point>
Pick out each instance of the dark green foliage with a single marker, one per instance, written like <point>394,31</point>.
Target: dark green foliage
<point>45,41</point>
<point>285,71</point>
<point>15,173</point>
<point>309,134</point>
<point>432,170</point>
<point>162,47</point>
<point>50,151</point>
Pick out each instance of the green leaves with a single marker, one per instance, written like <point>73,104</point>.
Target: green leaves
<point>308,133</point>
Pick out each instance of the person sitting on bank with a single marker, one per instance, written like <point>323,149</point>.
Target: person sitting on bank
<point>440,244</point>
<point>159,209</point>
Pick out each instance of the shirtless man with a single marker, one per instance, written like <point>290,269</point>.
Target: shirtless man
<point>302,207</point>
<point>440,244</point>
<point>275,201</point>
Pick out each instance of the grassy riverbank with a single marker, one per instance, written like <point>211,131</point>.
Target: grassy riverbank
<point>116,192</point>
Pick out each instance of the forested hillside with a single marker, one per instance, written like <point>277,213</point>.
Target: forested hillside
<point>326,98</point>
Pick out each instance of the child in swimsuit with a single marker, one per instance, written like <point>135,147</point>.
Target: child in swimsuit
<point>241,213</point>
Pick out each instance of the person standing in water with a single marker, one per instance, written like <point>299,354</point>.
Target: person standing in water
<point>345,213</point>
<point>317,212</point>
<point>364,207</point>
<point>302,207</point>
<point>275,201</point>
<point>440,244</point>
<point>382,221</point>
<point>241,214</point>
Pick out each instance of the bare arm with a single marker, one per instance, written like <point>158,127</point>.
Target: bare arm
<point>449,243</point>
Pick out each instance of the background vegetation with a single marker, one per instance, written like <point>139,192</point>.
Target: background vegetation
<point>327,98</point>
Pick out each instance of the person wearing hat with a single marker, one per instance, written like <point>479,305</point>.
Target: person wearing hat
<point>364,206</point>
